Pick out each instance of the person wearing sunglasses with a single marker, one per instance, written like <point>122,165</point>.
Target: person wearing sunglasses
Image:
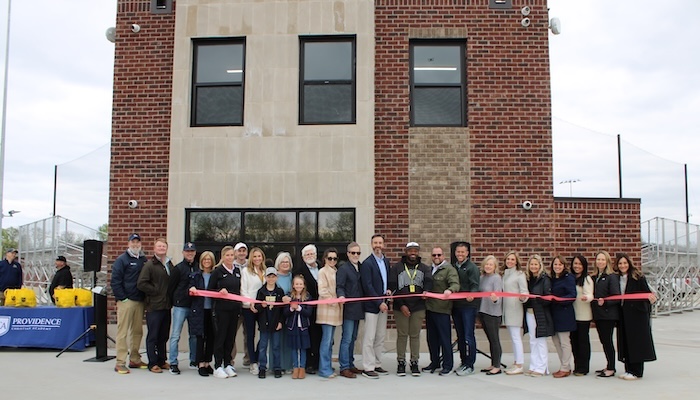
<point>328,315</point>
<point>438,311</point>
<point>348,286</point>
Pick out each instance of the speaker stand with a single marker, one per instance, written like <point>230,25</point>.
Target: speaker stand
<point>99,302</point>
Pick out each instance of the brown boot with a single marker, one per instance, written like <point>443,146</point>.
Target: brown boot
<point>295,373</point>
<point>302,373</point>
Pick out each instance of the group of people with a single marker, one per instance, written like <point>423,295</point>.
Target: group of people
<point>296,337</point>
<point>581,298</point>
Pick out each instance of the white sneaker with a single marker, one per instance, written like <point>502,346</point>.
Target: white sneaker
<point>230,371</point>
<point>254,368</point>
<point>220,373</point>
<point>629,377</point>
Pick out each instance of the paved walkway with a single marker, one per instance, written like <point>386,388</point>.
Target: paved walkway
<point>35,374</point>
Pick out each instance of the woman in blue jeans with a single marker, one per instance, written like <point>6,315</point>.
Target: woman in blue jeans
<point>328,315</point>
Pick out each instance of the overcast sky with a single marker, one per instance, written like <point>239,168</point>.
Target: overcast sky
<point>628,67</point>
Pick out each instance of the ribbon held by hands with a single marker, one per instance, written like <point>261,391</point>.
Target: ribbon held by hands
<point>438,296</point>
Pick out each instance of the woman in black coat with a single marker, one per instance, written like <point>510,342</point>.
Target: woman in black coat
<point>538,318</point>
<point>634,341</point>
<point>564,286</point>
<point>606,313</point>
<point>200,321</point>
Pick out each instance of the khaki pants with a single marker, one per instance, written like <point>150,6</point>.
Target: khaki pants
<point>2,298</point>
<point>373,340</point>
<point>129,330</point>
<point>408,327</point>
<point>562,343</point>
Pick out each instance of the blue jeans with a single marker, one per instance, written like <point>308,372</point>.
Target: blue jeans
<point>465,321</point>
<point>346,356</point>
<point>273,338</point>
<point>180,314</point>
<point>298,358</point>
<point>325,368</point>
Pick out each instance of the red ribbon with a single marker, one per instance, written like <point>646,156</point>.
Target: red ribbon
<point>438,296</point>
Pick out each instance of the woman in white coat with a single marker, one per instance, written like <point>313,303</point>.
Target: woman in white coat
<point>514,282</point>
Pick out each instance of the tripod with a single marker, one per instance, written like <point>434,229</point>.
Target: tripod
<point>455,349</point>
<point>100,328</point>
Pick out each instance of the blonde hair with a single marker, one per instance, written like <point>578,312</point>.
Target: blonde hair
<point>304,293</point>
<point>609,268</point>
<point>486,260</point>
<point>251,267</point>
<point>517,267</point>
<point>209,255</point>
<point>540,272</point>
<point>225,250</point>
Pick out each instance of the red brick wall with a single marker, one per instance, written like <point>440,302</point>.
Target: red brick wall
<point>508,150</point>
<point>509,121</point>
<point>588,225</point>
<point>143,66</point>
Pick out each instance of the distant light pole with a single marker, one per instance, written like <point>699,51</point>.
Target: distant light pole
<point>4,111</point>
<point>571,183</point>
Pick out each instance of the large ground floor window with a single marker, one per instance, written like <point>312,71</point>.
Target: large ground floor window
<point>273,230</point>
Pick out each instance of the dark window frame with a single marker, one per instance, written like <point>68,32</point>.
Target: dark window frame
<point>296,244</point>
<point>195,85</point>
<point>461,43</point>
<point>352,82</point>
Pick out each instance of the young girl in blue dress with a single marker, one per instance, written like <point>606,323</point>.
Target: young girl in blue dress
<point>297,326</point>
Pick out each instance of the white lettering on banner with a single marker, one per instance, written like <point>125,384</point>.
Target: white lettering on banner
<point>35,324</point>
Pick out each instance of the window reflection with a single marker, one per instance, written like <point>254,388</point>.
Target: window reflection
<point>269,227</point>
<point>207,226</point>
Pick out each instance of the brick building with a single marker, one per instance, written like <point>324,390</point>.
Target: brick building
<point>286,122</point>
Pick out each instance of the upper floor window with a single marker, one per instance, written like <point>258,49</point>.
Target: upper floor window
<point>327,80</point>
<point>217,82</point>
<point>438,83</point>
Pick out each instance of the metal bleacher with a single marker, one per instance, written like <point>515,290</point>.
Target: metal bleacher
<point>42,241</point>
<point>670,263</point>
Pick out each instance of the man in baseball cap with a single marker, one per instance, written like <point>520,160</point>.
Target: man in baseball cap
<point>10,273</point>
<point>130,306</point>
<point>62,279</point>
<point>409,276</point>
<point>182,303</point>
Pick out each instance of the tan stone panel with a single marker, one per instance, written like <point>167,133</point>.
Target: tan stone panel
<point>339,16</point>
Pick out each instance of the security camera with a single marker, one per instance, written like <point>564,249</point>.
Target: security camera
<point>525,22</point>
<point>133,203</point>
<point>111,34</point>
<point>525,11</point>
<point>555,25</point>
<point>527,205</point>
<point>135,28</point>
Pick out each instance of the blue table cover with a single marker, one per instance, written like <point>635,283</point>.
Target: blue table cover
<point>45,327</point>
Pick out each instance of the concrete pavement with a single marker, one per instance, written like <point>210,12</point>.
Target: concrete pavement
<point>29,374</point>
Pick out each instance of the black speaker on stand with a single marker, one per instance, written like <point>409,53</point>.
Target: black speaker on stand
<point>92,262</point>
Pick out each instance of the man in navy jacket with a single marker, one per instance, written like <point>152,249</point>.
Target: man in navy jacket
<point>130,307</point>
<point>10,273</point>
